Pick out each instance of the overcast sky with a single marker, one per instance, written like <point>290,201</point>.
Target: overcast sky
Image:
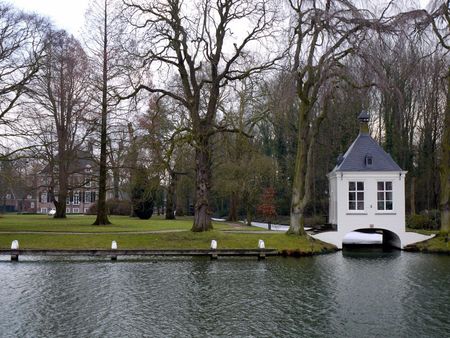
<point>68,14</point>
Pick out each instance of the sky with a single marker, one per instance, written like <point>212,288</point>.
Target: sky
<point>68,14</point>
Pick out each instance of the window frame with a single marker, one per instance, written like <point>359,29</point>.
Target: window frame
<point>384,191</point>
<point>76,198</point>
<point>356,199</point>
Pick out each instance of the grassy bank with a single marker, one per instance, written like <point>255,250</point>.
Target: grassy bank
<point>438,244</point>
<point>60,234</point>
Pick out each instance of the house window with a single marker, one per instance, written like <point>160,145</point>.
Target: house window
<point>87,197</point>
<point>8,196</point>
<point>369,160</point>
<point>43,210</point>
<point>68,200</point>
<point>76,198</point>
<point>76,210</point>
<point>86,210</point>
<point>384,195</point>
<point>355,195</point>
<point>44,197</point>
<point>67,210</point>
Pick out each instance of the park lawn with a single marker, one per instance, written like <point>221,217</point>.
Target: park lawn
<point>83,223</point>
<point>76,232</point>
<point>175,240</point>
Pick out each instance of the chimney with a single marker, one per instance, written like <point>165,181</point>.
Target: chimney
<point>364,122</point>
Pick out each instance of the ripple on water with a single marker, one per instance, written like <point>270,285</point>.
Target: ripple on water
<point>344,295</point>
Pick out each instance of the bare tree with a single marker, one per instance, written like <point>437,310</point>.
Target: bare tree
<point>61,92</point>
<point>104,33</point>
<point>205,45</point>
<point>21,50</point>
<point>440,21</point>
<point>165,134</point>
<point>324,34</point>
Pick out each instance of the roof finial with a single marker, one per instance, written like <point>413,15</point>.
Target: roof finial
<point>364,118</point>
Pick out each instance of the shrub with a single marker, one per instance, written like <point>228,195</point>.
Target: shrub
<point>113,207</point>
<point>118,207</point>
<point>425,220</point>
<point>315,220</point>
<point>92,209</point>
<point>435,217</point>
<point>143,203</point>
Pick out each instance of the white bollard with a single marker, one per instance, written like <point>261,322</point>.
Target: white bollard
<point>15,245</point>
<point>114,247</point>
<point>261,244</point>
<point>213,244</point>
<point>213,248</point>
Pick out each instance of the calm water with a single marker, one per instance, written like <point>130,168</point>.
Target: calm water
<point>338,295</point>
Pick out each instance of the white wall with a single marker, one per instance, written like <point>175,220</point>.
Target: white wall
<point>370,217</point>
<point>332,206</point>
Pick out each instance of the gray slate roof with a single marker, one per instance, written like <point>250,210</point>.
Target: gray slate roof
<point>355,157</point>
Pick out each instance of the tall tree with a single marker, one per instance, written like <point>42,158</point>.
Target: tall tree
<point>61,92</point>
<point>165,135</point>
<point>440,20</point>
<point>104,42</point>
<point>199,41</point>
<point>325,33</point>
<point>240,168</point>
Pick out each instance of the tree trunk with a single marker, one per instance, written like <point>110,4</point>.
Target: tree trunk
<point>233,214</point>
<point>445,166</point>
<point>63,175</point>
<point>300,191</point>
<point>249,215</point>
<point>170,200</point>
<point>116,179</point>
<point>102,215</point>
<point>60,205</point>
<point>202,215</point>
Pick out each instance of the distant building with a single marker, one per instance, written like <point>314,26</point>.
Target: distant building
<point>83,190</point>
<point>19,196</point>
<point>367,193</point>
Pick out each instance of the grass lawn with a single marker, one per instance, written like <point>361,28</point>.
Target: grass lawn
<point>185,239</point>
<point>83,223</point>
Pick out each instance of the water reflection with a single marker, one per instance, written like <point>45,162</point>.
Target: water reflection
<point>392,294</point>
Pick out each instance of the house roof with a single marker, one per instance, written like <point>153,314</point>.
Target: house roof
<point>78,164</point>
<point>364,147</point>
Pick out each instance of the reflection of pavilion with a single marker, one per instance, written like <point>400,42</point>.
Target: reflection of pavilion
<point>367,193</point>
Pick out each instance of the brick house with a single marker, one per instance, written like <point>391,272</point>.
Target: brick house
<point>83,190</point>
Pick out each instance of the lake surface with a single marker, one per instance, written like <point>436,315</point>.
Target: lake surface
<point>353,294</point>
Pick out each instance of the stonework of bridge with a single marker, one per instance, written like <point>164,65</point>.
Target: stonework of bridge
<point>395,239</point>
